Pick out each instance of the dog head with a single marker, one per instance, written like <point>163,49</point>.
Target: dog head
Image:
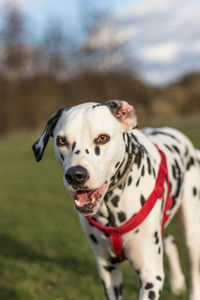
<point>88,143</point>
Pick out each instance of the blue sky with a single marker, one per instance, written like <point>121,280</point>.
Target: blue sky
<point>163,35</point>
<point>67,11</point>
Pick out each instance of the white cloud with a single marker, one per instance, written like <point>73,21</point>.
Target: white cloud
<point>140,8</point>
<point>160,53</point>
<point>165,40</point>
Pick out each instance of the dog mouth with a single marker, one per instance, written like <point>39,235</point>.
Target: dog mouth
<point>88,202</point>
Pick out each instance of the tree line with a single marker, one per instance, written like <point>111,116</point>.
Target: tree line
<point>37,78</point>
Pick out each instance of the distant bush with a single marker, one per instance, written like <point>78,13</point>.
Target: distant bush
<point>27,103</point>
<point>179,99</point>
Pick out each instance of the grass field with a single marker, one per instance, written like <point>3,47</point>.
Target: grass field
<point>44,254</point>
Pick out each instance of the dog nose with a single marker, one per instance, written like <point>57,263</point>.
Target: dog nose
<point>76,175</point>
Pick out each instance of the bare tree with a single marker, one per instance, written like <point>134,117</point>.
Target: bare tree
<point>13,38</point>
<point>55,48</point>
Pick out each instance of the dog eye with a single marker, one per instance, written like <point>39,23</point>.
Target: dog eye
<point>102,139</point>
<point>61,141</point>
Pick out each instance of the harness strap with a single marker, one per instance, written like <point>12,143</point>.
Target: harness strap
<point>115,233</point>
<point>116,242</point>
<point>168,205</point>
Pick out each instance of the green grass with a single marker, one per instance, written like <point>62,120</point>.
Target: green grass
<point>44,254</point>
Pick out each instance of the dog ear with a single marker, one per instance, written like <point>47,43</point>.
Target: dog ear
<point>124,112</point>
<point>40,145</point>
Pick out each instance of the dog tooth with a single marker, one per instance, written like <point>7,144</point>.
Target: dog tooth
<point>77,203</point>
<point>93,200</point>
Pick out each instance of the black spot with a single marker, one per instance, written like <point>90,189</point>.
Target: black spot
<point>149,165</point>
<point>137,230</point>
<point>129,180</point>
<point>154,173</point>
<point>151,295</point>
<point>174,171</point>
<point>138,181</point>
<point>143,171</point>
<point>162,205</point>
<point>190,163</point>
<point>138,159</point>
<point>112,178</point>
<point>116,292</point>
<point>96,105</point>
<point>117,164</point>
<point>62,156</point>
<point>124,136</point>
<point>142,200</point>
<point>120,187</point>
<point>118,175</point>
<point>158,278</point>
<point>97,150</point>
<point>115,260</point>
<point>109,268</point>
<point>179,183</point>
<point>77,152</point>
<point>138,271</point>
<point>115,201</point>
<point>133,147</point>
<point>93,238</point>
<point>87,151</point>
<point>121,216</point>
<point>159,250</point>
<point>73,145</point>
<point>168,148</point>
<point>148,286</point>
<point>108,195</point>
<point>111,219</point>
<point>156,237</point>
<point>194,191</point>
<point>186,151</point>
<point>176,149</point>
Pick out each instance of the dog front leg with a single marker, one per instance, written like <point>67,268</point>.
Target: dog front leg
<point>146,258</point>
<point>111,278</point>
<point>151,285</point>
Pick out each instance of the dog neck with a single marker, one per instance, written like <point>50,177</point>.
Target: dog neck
<point>131,162</point>
<point>134,152</point>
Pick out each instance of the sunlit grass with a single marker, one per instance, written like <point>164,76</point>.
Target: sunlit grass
<point>44,254</point>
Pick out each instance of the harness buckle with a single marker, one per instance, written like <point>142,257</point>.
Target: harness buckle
<point>160,191</point>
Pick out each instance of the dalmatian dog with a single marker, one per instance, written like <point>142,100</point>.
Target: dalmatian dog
<point>110,169</point>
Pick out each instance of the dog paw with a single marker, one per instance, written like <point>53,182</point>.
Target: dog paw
<point>178,286</point>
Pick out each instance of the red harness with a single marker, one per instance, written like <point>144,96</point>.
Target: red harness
<point>115,233</point>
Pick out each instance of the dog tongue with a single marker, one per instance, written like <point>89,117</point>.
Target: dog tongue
<point>87,197</point>
<point>82,197</point>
